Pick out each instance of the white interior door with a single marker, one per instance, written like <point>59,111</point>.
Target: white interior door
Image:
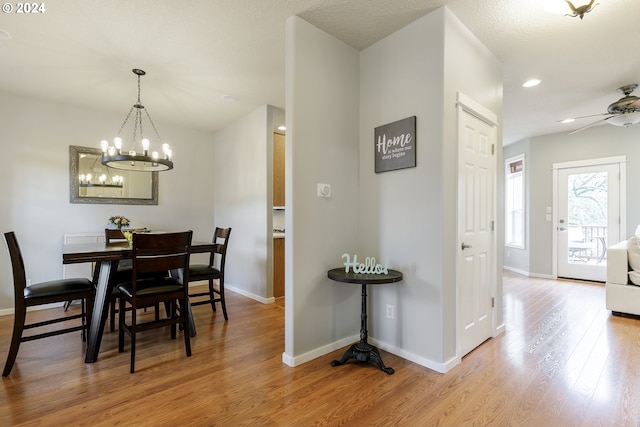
<point>588,219</point>
<point>475,231</point>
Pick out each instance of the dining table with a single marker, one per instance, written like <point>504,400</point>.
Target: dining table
<point>106,258</point>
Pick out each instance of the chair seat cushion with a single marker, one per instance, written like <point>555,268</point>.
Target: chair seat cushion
<point>58,288</point>
<point>151,287</point>
<point>198,270</point>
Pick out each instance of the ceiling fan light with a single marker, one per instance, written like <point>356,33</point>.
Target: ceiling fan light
<point>557,7</point>
<point>625,120</point>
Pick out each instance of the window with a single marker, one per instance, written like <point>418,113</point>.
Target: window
<point>514,201</point>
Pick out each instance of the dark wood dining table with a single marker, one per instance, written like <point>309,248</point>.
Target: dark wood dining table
<point>106,262</point>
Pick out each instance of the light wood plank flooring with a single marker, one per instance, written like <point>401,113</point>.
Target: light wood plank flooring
<point>563,361</point>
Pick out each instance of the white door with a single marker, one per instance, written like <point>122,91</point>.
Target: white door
<point>475,230</point>
<point>588,219</point>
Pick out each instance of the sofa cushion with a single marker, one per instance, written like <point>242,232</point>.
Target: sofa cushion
<point>633,253</point>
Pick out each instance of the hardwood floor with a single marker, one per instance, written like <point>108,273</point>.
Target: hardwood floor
<point>563,361</point>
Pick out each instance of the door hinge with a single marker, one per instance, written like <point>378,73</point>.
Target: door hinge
<point>493,225</point>
<point>493,149</point>
<point>493,302</point>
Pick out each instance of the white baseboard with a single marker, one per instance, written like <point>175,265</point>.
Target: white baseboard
<point>515,270</point>
<point>528,273</point>
<point>294,361</point>
<point>231,288</point>
<point>255,297</point>
<point>422,361</point>
<point>11,311</point>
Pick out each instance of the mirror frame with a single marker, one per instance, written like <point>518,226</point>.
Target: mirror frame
<point>74,189</point>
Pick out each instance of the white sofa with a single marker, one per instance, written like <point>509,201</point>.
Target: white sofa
<point>622,296</point>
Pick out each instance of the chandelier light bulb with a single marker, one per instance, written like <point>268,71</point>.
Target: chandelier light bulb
<point>81,177</point>
<point>104,145</point>
<point>145,147</point>
<point>117,141</point>
<point>154,155</point>
<point>88,177</point>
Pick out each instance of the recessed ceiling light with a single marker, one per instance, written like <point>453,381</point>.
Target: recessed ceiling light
<point>4,35</point>
<point>531,83</point>
<point>282,127</point>
<point>568,120</point>
<point>229,98</point>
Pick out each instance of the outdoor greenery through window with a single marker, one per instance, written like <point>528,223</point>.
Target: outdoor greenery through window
<point>514,201</point>
<point>588,199</point>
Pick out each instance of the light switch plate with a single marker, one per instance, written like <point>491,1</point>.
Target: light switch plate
<point>324,190</point>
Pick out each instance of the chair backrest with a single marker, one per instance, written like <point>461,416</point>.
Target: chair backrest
<point>161,252</point>
<point>17,263</point>
<point>221,241</point>
<point>113,234</point>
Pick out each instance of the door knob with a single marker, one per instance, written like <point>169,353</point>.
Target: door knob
<point>562,229</point>
<point>465,246</point>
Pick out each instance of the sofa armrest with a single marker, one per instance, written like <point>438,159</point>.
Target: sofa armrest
<point>618,263</point>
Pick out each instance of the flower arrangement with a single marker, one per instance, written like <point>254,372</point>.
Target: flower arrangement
<point>129,236</point>
<point>119,221</point>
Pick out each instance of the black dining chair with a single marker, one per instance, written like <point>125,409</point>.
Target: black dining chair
<point>54,291</point>
<point>214,270</point>
<point>156,253</point>
<point>114,236</point>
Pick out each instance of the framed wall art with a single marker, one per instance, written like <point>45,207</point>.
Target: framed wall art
<point>395,145</point>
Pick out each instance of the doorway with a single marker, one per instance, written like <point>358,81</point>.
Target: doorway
<point>588,200</point>
<point>476,260</point>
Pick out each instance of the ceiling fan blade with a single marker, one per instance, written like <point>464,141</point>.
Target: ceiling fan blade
<point>596,123</point>
<point>585,117</point>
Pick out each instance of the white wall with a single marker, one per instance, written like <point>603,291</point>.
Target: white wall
<point>34,138</point>
<point>321,147</point>
<point>405,218</point>
<point>243,188</point>
<point>408,217</point>
<point>597,142</point>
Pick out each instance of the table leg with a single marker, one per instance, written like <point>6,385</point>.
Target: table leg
<point>363,351</point>
<point>102,279</point>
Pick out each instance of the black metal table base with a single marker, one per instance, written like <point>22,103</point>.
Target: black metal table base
<point>363,352</point>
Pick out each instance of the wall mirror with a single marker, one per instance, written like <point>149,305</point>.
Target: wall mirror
<point>92,182</point>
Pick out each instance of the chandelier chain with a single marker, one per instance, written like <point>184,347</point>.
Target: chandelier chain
<point>153,125</point>
<point>126,120</point>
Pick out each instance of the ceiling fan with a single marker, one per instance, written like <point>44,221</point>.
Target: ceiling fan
<point>624,112</point>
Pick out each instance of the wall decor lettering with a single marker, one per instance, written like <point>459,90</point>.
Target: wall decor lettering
<point>369,265</point>
<point>395,145</point>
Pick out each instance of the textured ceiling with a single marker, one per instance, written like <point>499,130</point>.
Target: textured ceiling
<point>195,52</point>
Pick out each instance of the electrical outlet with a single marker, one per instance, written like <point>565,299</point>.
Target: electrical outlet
<point>390,311</point>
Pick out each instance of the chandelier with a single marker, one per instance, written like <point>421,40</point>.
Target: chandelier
<point>113,155</point>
